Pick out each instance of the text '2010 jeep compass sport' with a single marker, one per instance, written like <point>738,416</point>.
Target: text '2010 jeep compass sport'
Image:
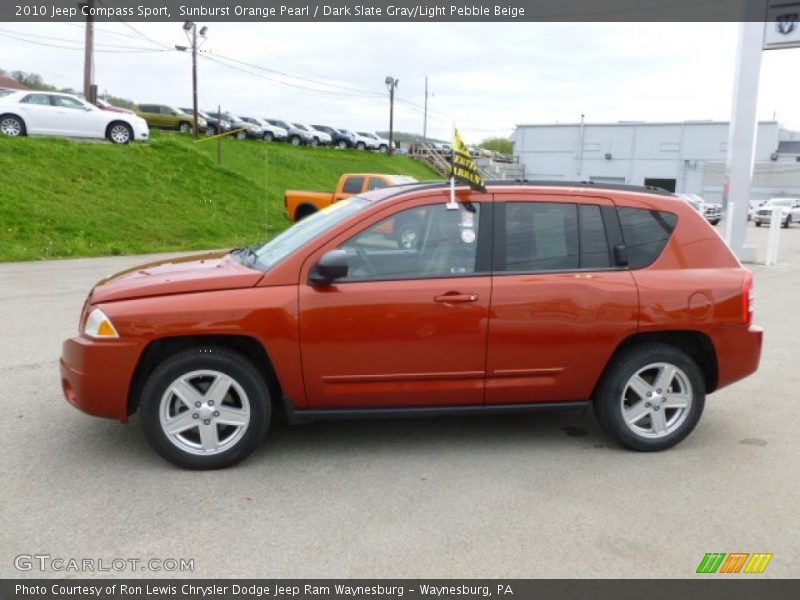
<point>529,296</point>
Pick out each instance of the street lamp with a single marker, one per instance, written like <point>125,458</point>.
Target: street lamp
<point>190,28</point>
<point>392,84</point>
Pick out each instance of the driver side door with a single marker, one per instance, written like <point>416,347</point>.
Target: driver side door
<point>406,327</point>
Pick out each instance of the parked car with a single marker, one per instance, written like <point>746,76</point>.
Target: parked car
<point>243,129</point>
<point>103,105</point>
<point>270,132</point>
<point>301,204</point>
<point>789,211</point>
<point>339,138</point>
<point>711,211</point>
<point>214,125</point>
<point>530,297</point>
<point>297,136</point>
<point>752,207</point>
<point>318,138</point>
<point>164,116</point>
<point>378,143</point>
<point>360,142</point>
<point>50,113</point>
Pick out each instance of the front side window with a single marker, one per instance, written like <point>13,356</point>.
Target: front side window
<point>419,243</point>
<point>39,99</point>
<point>353,185</point>
<point>646,233</point>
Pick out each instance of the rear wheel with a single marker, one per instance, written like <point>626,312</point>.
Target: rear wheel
<point>342,145</point>
<point>210,130</point>
<point>758,223</point>
<point>384,149</point>
<point>315,142</point>
<point>205,408</point>
<point>12,126</point>
<point>788,222</point>
<point>361,146</point>
<point>651,397</point>
<point>241,135</point>
<point>295,140</point>
<point>269,136</point>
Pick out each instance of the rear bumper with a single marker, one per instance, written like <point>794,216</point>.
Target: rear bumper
<point>738,353</point>
<point>96,376</point>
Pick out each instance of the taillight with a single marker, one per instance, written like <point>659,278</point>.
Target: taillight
<point>748,296</point>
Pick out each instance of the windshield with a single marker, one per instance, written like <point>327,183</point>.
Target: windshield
<point>780,202</point>
<point>300,126</point>
<point>306,230</point>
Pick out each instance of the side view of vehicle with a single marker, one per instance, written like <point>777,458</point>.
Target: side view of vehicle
<point>163,116</point>
<point>527,297</point>
<point>360,142</point>
<point>297,136</point>
<point>214,125</point>
<point>339,138</point>
<point>787,208</point>
<point>318,138</point>
<point>300,204</point>
<point>377,143</point>
<point>50,113</point>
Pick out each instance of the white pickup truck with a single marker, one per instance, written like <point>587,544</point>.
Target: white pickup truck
<point>789,211</point>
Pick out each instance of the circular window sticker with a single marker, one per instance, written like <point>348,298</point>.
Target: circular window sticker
<point>468,236</point>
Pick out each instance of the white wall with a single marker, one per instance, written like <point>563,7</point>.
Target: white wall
<point>692,153</point>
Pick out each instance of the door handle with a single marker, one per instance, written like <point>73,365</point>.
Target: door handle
<point>455,298</point>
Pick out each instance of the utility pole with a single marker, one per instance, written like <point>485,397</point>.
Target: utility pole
<point>425,118</point>
<point>88,54</point>
<point>190,29</point>
<point>392,84</point>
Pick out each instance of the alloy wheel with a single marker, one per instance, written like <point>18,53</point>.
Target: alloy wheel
<point>120,134</point>
<point>11,126</point>
<point>204,412</point>
<point>656,400</point>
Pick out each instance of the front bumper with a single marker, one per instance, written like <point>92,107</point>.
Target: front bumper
<point>768,218</point>
<point>96,376</point>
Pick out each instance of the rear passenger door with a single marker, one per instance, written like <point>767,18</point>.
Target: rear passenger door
<point>560,304</point>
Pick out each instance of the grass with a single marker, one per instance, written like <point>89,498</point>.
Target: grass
<point>63,198</point>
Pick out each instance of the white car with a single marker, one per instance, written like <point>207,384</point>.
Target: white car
<point>268,131</point>
<point>50,113</point>
<point>359,141</point>
<point>710,210</point>
<point>377,143</point>
<point>318,138</point>
<point>789,211</point>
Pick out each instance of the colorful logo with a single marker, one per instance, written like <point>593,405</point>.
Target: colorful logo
<point>735,562</point>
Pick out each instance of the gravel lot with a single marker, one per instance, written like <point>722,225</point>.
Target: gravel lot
<point>514,496</point>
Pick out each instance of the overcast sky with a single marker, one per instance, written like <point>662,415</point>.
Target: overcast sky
<point>485,77</point>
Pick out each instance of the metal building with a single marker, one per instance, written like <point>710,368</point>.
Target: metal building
<point>681,156</point>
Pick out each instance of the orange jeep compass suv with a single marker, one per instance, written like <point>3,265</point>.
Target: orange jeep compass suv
<point>530,296</point>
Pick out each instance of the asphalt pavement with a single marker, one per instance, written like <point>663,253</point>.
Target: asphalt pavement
<point>543,495</point>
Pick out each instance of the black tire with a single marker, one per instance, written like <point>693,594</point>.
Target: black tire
<point>185,127</point>
<point>119,133</point>
<point>608,398</point>
<point>315,142</point>
<point>383,149</point>
<point>758,223</point>
<point>342,145</point>
<point>714,222</point>
<point>788,222</point>
<point>12,126</point>
<point>210,130</point>
<point>268,136</point>
<point>221,360</point>
<point>303,211</point>
<point>295,140</point>
<point>241,135</point>
<point>361,146</point>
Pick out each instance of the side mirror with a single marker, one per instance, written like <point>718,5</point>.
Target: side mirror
<point>332,266</point>
<point>621,255</point>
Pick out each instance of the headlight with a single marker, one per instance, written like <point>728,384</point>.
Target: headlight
<point>98,325</point>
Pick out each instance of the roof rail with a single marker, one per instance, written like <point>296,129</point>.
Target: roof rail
<point>624,187</point>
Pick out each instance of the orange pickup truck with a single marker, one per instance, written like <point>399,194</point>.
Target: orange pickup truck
<point>300,204</point>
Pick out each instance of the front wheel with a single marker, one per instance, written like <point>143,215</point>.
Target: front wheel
<point>12,126</point>
<point>342,145</point>
<point>295,140</point>
<point>120,133</point>
<point>210,130</point>
<point>315,142</point>
<point>383,149</point>
<point>185,127</point>
<point>268,136</point>
<point>651,397</point>
<point>205,408</point>
<point>361,146</point>
<point>758,223</point>
<point>788,222</point>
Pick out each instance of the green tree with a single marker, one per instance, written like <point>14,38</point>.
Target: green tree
<point>498,144</point>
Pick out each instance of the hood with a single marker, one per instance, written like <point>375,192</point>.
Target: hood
<point>197,273</point>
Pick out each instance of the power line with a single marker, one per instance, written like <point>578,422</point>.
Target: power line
<point>62,47</point>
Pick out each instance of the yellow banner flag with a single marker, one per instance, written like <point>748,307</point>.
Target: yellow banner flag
<point>464,169</point>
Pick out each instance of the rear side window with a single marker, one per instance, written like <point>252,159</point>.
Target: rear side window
<point>375,183</point>
<point>41,99</point>
<point>353,185</point>
<point>646,233</point>
<point>541,236</point>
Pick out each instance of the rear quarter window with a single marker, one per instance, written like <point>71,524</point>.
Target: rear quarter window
<point>646,232</point>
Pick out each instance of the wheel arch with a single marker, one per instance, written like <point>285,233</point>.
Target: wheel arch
<point>696,344</point>
<point>119,122</point>
<point>306,209</point>
<point>161,348</point>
